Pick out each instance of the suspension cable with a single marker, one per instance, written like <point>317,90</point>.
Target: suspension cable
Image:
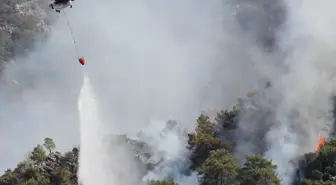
<point>72,34</point>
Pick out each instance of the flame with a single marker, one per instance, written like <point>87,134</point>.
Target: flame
<point>320,143</point>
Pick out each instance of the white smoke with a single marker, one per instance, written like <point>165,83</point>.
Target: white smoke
<point>170,149</point>
<point>299,101</point>
<point>305,109</point>
<point>95,155</point>
<point>173,59</point>
<point>163,60</point>
<point>95,158</point>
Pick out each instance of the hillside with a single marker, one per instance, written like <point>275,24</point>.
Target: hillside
<point>211,157</point>
<point>22,23</point>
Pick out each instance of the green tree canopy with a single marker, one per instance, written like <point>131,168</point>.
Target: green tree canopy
<point>320,166</point>
<point>258,170</point>
<point>220,168</point>
<point>49,144</point>
<point>161,182</point>
<point>38,154</point>
<point>202,141</point>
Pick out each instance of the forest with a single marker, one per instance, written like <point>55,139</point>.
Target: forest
<point>212,158</point>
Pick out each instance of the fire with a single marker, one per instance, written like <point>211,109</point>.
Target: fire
<point>320,143</point>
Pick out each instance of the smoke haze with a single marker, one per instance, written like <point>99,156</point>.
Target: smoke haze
<point>150,61</point>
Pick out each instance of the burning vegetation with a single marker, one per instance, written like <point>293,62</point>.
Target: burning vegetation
<point>212,158</point>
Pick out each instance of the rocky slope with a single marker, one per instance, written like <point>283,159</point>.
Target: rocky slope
<point>22,22</point>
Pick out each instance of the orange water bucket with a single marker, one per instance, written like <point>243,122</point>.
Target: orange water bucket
<point>81,60</point>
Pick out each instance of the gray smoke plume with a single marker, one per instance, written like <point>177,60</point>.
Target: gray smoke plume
<point>170,60</point>
<point>289,117</point>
